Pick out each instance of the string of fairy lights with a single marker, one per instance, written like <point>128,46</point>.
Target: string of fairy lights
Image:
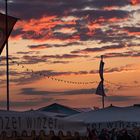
<point>52,77</point>
<point>71,82</point>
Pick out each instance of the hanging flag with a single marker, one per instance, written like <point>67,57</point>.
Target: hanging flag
<point>101,68</point>
<point>100,89</point>
<point>11,22</point>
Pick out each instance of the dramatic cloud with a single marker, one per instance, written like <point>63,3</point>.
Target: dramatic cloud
<point>64,56</point>
<point>83,28</point>
<point>104,48</point>
<point>120,69</point>
<point>118,98</point>
<point>124,54</point>
<point>60,7</point>
<point>64,20</point>
<point>50,16</point>
<point>32,59</point>
<point>132,30</point>
<point>27,103</point>
<point>134,2</point>
<point>44,46</point>
<point>32,91</point>
<point>27,53</point>
<point>59,62</point>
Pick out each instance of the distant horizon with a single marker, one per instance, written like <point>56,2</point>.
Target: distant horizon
<point>70,106</point>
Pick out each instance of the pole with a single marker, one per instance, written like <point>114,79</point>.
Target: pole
<point>103,96</point>
<point>7,53</point>
<point>102,79</point>
<point>103,101</point>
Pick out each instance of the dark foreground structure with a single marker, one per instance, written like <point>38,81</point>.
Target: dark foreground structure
<point>41,136</point>
<point>93,134</point>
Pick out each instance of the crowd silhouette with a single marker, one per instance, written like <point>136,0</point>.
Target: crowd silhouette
<point>92,134</point>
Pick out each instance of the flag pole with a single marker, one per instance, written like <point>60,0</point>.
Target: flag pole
<point>103,101</point>
<point>102,79</point>
<point>100,88</point>
<point>7,54</point>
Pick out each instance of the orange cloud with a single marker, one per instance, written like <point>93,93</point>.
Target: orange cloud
<point>90,33</point>
<point>68,30</point>
<point>133,33</point>
<point>134,2</point>
<point>76,37</point>
<point>39,47</point>
<point>96,24</point>
<point>38,24</point>
<point>40,29</point>
<point>92,26</point>
<point>46,22</point>
<point>114,19</point>
<point>109,8</point>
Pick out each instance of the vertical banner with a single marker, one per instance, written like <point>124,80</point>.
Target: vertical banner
<point>11,22</point>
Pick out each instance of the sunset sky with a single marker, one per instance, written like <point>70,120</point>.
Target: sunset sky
<point>56,47</point>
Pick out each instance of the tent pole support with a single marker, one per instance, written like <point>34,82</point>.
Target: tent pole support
<point>7,53</point>
<point>103,101</point>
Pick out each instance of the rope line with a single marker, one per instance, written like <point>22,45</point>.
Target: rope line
<point>70,82</point>
<point>51,77</point>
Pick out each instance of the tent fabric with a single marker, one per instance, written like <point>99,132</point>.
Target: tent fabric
<point>61,109</point>
<point>109,114</point>
<point>110,117</point>
<point>36,120</point>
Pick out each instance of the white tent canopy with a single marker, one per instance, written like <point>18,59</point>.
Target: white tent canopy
<point>11,121</point>
<point>109,114</point>
<point>117,117</point>
<point>110,117</point>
